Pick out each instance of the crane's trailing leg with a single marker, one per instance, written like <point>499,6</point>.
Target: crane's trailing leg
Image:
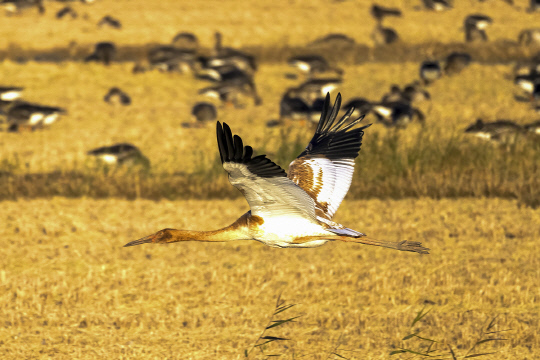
<point>405,245</point>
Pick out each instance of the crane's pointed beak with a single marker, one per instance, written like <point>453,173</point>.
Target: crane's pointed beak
<point>144,240</point>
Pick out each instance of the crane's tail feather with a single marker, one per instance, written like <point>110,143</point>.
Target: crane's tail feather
<point>346,232</point>
<point>405,245</point>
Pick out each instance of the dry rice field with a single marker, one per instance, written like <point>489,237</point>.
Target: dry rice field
<point>70,290</point>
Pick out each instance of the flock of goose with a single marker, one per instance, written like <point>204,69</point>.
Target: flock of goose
<point>229,74</point>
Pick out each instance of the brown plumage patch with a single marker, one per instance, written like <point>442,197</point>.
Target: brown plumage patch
<point>302,174</point>
<point>256,220</point>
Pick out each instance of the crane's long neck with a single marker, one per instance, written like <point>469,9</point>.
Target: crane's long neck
<point>236,231</point>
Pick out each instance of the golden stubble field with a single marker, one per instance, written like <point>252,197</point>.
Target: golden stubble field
<point>161,102</point>
<point>276,23</point>
<point>70,290</point>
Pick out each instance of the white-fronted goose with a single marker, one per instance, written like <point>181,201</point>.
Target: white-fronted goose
<point>312,64</point>
<point>502,131</point>
<point>437,5</point>
<point>26,116</point>
<point>10,93</point>
<point>121,154</point>
<point>475,27</point>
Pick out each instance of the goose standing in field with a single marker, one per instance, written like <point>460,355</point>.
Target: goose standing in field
<point>502,131</point>
<point>456,62</point>
<point>475,27</point>
<point>26,116</point>
<point>185,41</point>
<point>10,93</point>
<point>293,107</point>
<point>336,40</point>
<point>233,92</point>
<point>117,96</point>
<point>397,114</point>
<point>294,210</point>
<point>529,37</point>
<point>203,112</point>
<point>380,12</point>
<point>533,127</point>
<point>311,90</point>
<point>414,93</point>
<point>430,71</point>
<point>359,106</point>
<point>110,22</point>
<point>437,5</point>
<point>65,11</point>
<point>17,6</point>
<point>384,35</point>
<point>169,58</point>
<point>312,64</point>
<point>103,52</point>
<point>393,95</point>
<point>120,154</point>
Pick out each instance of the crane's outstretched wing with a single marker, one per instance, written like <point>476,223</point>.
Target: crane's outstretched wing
<point>325,168</point>
<point>265,185</point>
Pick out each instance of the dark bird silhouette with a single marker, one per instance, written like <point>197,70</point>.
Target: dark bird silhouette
<point>117,96</point>
<point>312,64</point>
<point>103,52</point>
<point>66,11</point>
<point>26,116</point>
<point>437,5</point>
<point>475,27</point>
<point>380,12</point>
<point>336,40</point>
<point>204,111</point>
<point>501,131</point>
<point>169,58</point>
<point>456,62</point>
<point>121,154</point>
<point>185,41</point>
<point>529,37</point>
<point>110,21</point>
<point>384,35</point>
<point>430,71</point>
<point>397,114</point>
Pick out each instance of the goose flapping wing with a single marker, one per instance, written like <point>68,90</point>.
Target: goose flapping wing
<point>265,185</point>
<point>325,168</point>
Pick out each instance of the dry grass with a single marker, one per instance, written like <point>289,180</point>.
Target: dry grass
<point>436,160</point>
<point>253,22</point>
<point>69,289</point>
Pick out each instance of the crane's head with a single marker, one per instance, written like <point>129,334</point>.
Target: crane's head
<point>161,237</point>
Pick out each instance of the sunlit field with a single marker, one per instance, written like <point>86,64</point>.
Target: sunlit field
<point>69,288</point>
<point>253,22</point>
<point>436,159</point>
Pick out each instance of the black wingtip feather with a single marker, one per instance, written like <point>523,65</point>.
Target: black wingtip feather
<point>232,149</point>
<point>336,140</point>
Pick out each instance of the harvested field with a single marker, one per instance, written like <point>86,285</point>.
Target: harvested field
<point>70,290</point>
